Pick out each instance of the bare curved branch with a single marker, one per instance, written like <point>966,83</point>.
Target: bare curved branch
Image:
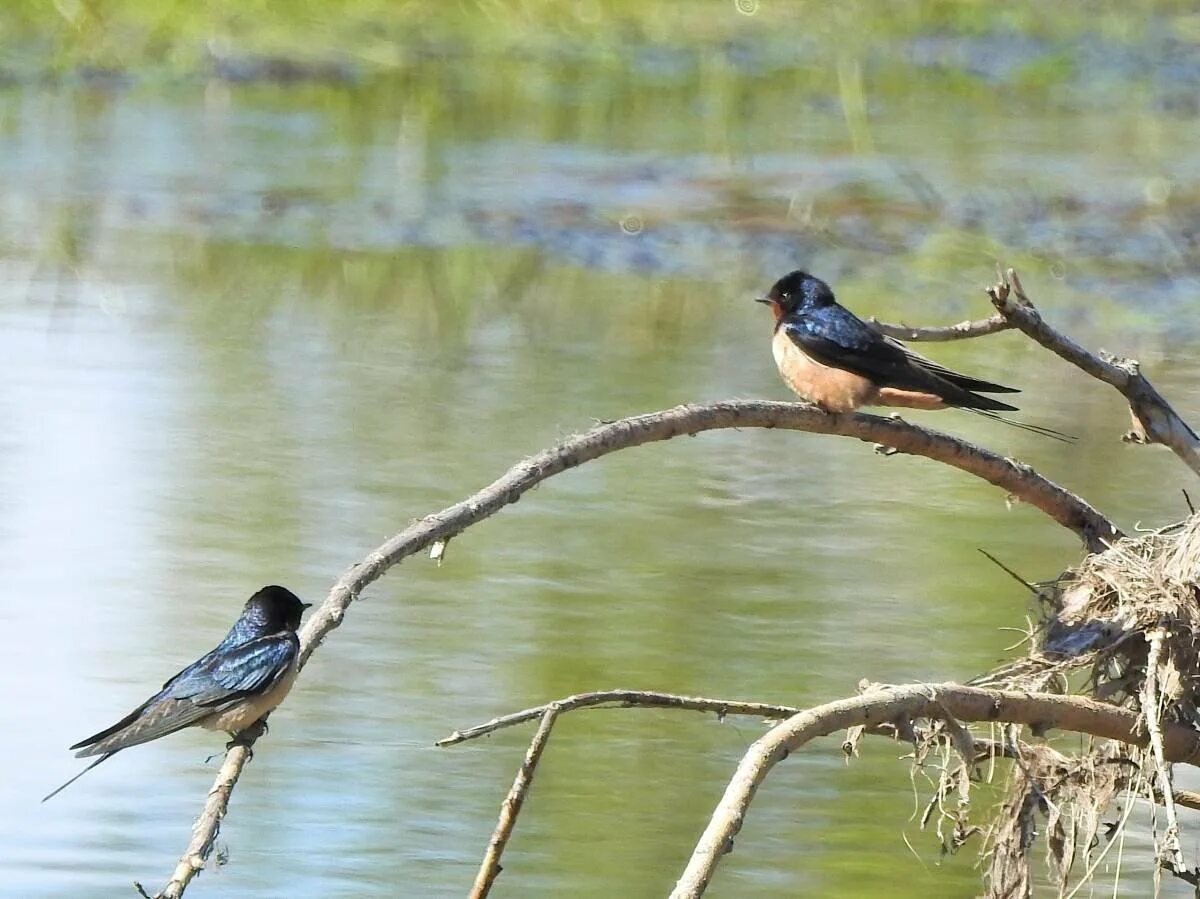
<point>943,333</point>
<point>883,704</point>
<point>1154,419</point>
<point>1017,479</point>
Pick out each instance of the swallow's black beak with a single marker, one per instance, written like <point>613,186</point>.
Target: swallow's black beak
<point>305,606</point>
<point>767,300</point>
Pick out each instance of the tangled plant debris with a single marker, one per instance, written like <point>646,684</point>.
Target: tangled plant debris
<point>1123,628</point>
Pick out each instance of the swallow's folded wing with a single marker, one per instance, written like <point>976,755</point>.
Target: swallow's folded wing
<point>158,716</point>
<point>836,338</point>
<point>966,382</point>
<point>219,679</point>
<point>240,671</point>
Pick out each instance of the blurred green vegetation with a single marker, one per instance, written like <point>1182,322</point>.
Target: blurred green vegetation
<point>179,36</point>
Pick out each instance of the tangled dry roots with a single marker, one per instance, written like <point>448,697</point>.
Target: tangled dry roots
<point>1122,628</point>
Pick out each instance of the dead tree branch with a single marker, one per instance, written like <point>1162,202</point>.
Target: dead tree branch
<point>208,824</point>
<point>943,333</point>
<point>490,869</point>
<point>973,750</point>
<point>880,705</point>
<point>547,714</point>
<point>511,807</point>
<point>1017,479</point>
<point>623,699</point>
<point>1153,418</point>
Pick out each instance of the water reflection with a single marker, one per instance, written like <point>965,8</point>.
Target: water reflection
<point>251,331</point>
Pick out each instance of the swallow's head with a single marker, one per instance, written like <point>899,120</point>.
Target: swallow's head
<point>797,290</point>
<point>277,608</point>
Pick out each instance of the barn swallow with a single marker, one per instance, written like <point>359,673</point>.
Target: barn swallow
<point>229,688</point>
<point>829,356</point>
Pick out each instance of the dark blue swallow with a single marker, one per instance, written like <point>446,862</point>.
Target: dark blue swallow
<point>829,356</point>
<point>229,688</point>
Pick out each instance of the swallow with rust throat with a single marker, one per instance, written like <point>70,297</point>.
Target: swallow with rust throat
<point>229,688</point>
<point>829,356</point>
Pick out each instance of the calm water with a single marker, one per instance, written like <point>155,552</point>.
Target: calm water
<point>249,331</point>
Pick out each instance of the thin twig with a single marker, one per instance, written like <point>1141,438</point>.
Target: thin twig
<point>1015,478</point>
<point>623,699</point>
<point>1154,419</point>
<point>883,704</point>
<point>943,333</point>
<point>490,869</point>
<point>1028,585</point>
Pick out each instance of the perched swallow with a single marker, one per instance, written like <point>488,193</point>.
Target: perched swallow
<point>829,356</point>
<point>229,688</point>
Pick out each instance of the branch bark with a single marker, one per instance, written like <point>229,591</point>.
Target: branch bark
<point>623,699</point>
<point>489,870</point>
<point>1019,480</point>
<point>1154,419</point>
<point>943,333</point>
<point>880,705</point>
<point>208,824</point>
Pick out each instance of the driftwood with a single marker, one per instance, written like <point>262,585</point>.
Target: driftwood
<point>910,708</point>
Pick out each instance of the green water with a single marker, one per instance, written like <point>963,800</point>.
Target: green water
<point>250,328</point>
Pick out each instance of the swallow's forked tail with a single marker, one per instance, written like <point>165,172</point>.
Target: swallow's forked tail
<point>103,758</point>
<point>1024,426</point>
